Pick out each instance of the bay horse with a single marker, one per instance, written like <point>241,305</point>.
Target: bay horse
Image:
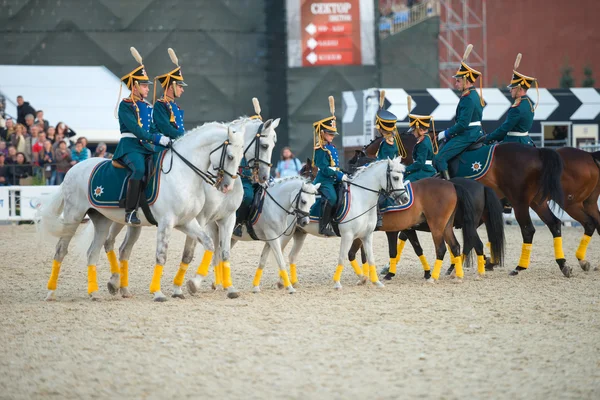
<point>527,177</point>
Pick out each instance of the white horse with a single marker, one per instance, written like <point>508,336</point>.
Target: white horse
<point>384,176</point>
<point>181,199</point>
<point>218,214</point>
<point>286,205</point>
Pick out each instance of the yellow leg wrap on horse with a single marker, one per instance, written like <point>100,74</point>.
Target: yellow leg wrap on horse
<point>92,279</point>
<point>582,249</point>
<point>226,267</point>
<point>205,263</point>
<point>437,268</point>
<point>357,269</point>
<point>285,278</point>
<point>458,267</point>
<point>338,273</point>
<point>399,249</point>
<point>492,259</point>
<point>424,262</point>
<point>293,274</point>
<point>257,276</point>
<point>178,280</point>
<point>481,265</point>
<point>54,275</point>
<point>124,273</point>
<point>155,284</point>
<point>393,264</point>
<point>218,274</point>
<point>373,273</point>
<point>365,269</point>
<point>558,248</point>
<point>112,260</point>
<point>525,255</point>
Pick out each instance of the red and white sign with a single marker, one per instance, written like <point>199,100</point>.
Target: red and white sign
<point>328,32</point>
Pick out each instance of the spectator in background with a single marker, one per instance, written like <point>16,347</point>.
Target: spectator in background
<point>288,165</point>
<point>67,132</point>
<point>101,151</point>
<point>47,163</point>
<point>3,149</point>
<point>17,139</point>
<point>10,129</point>
<point>37,148</point>
<point>62,156</point>
<point>23,108</point>
<point>21,171</point>
<point>12,155</point>
<point>4,171</point>
<point>3,129</point>
<point>79,154</point>
<point>39,119</point>
<point>50,132</point>
<point>84,142</point>
<point>29,122</point>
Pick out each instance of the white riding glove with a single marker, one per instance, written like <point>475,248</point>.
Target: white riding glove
<point>164,141</point>
<point>345,178</point>
<point>442,136</point>
<point>2,123</point>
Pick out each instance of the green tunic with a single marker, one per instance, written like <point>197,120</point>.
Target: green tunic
<point>326,159</point>
<point>128,123</point>
<point>422,161</point>
<point>387,150</point>
<point>246,175</point>
<point>461,135</point>
<point>519,120</point>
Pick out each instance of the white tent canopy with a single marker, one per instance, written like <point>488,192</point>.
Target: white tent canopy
<point>84,98</point>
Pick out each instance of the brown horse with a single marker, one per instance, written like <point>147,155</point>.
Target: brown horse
<point>436,203</point>
<point>527,177</point>
<point>581,185</point>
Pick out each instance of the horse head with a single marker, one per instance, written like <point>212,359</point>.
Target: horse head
<point>309,170</point>
<point>259,150</point>
<point>304,200</point>
<point>227,161</point>
<point>394,185</point>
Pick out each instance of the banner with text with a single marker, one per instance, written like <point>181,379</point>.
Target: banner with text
<point>324,32</point>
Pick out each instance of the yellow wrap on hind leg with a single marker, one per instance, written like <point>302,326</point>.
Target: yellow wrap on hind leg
<point>558,248</point>
<point>53,281</point>
<point>257,277</point>
<point>205,263</point>
<point>338,273</point>
<point>357,269</point>
<point>112,260</point>
<point>525,255</point>
<point>582,249</point>
<point>155,284</point>
<point>293,274</point>
<point>178,280</point>
<point>437,268</point>
<point>92,279</point>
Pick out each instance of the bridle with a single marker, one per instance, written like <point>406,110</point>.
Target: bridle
<point>256,160</point>
<point>389,190</point>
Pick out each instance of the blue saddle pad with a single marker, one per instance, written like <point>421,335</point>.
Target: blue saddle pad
<point>475,164</point>
<point>391,206</point>
<point>341,211</point>
<point>108,185</point>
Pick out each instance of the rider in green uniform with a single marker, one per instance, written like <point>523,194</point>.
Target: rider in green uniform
<point>467,128</point>
<point>167,115</point>
<point>135,122</point>
<point>329,175</point>
<point>520,116</point>
<point>422,166</point>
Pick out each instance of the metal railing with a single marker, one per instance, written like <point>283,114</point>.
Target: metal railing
<point>27,174</point>
<point>590,147</point>
<point>401,20</point>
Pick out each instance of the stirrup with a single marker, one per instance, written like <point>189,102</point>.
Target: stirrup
<point>327,231</point>
<point>446,175</point>
<point>131,218</point>
<point>238,230</point>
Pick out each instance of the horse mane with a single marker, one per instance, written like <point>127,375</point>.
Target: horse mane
<point>290,178</point>
<point>360,170</point>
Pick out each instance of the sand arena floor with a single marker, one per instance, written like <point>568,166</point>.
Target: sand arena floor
<point>536,336</point>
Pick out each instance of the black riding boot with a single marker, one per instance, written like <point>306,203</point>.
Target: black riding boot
<point>445,175</point>
<point>241,217</point>
<point>380,203</point>
<point>324,223</point>
<point>507,206</point>
<point>131,201</point>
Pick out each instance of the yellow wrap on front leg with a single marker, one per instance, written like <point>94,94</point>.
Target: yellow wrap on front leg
<point>178,280</point>
<point>257,277</point>
<point>293,274</point>
<point>338,273</point>
<point>424,262</point>
<point>357,269</point>
<point>393,264</point>
<point>112,260</point>
<point>373,274</point>
<point>481,265</point>
<point>437,268</point>
<point>218,274</point>
<point>155,284</point>
<point>53,281</point>
<point>525,255</point>
<point>365,268</point>
<point>400,249</point>
<point>285,278</point>
<point>582,249</point>
<point>92,279</point>
<point>558,248</point>
<point>124,273</point>
<point>226,267</point>
<point>205,263</point>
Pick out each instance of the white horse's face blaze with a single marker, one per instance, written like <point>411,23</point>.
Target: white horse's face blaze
<point>265,150</point>
<point>396,178</point>
<point>230,162</point>
<point>308,196</point>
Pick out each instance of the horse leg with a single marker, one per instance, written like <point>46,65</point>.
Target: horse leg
<point>393,253</point>
<point>360,272</point>
<point>225,231</point>
<point>554,224</point>
<point>411,235</point>
<point>479,250</point>
<point>454,248</point>
<point>402,238</point>
<point>440,252</point>
<point>299,239</point>
<point>193,230</point>
<point>193,285</point>
<point>186,259</point>
<point>62,248</point>
<point>368,246</point>
<point>280,259</point>
<point>114,283</point>
<point>527,231</point>
<point>344,249</point>
<point>589,225</point>
<point>264,255</point>
<point>101,227</point>
<point>133,234</point>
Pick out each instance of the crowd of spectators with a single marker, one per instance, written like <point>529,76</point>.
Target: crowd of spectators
<point>31,147</point>
<point>398,12</point>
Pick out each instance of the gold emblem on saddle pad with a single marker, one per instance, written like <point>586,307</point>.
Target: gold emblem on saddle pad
<point>98,191</point>
<point>476,167</point>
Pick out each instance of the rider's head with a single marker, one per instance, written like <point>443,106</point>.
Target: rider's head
<point>172,82</point>
<point>519,83</point>
<point>385,121</point>
<point>325,130</point>
<point>466,76</point>
<point>137,80</point>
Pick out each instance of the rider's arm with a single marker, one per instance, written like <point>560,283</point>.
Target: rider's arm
<point>512,119</point>
<point>128,117</point>
<point>322,162</point>
<point>419,159</point>
<point>162,120</point>
<point>465,113</point>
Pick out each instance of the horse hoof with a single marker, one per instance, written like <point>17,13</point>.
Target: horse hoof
<point>585,265</point>
<point>112,289</point>
<point>256,289</point>
<point>50,296</point>
<point>457,280</point>
<point>378,285</point>
<point>280,285</point>
<point>125,293</point>
<point>94,296</point>
<point>291,290</point>
<point>234,294</point>
<point>567,271</point>
<point>159,297</point>
<point>214,286</point>
<point>337,286</point>
<point>178,296</point>
<point>450,270</point>
<point>295,285</point>
<point>389,276</point>
<point>514,272</point>
<point>430,281</point>
<point>384,271</point>
<point>427,275</point>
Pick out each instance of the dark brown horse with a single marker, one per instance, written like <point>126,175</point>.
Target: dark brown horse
<point>527,177</point>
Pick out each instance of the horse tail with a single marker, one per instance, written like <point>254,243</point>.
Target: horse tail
<point>552,168</point>
<point>50,219</point>
<point>596,157</point>
<point>467,209</point>
<point>494,225</point>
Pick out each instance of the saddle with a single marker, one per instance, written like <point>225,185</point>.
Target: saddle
<point>454,163</point>
<point>255,210</point>
<point>342,189</point>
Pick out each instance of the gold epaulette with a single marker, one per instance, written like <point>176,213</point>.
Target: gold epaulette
<point>517,102</point>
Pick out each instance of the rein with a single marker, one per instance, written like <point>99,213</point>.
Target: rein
<point>256,160</point>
